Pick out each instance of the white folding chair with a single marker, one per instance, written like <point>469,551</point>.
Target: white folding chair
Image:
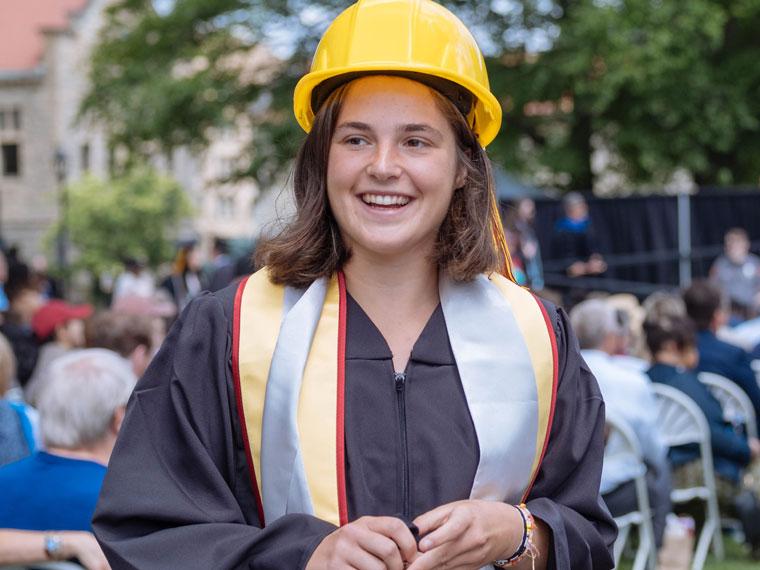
<point>736,405</point>
<point>622,441</point>
<point>682,422</point>
<point>755,364</point>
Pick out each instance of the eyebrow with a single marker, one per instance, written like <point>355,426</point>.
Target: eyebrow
<point>409,128</point>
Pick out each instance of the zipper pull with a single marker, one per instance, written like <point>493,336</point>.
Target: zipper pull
<point>399,378</point>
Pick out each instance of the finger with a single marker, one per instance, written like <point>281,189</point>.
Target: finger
<point>398,532</point>
<point>453,529</point>
<point>435,559</point>
<point>384,549</point>
<point>360,559</point>
<point>433,519</point>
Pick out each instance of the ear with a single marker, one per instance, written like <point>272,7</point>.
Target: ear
<point>461,177</point>
<point>117,419</point>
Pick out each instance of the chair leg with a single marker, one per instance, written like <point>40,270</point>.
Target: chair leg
<point>717,540</point>
<point>703,544</point>
<point>643,552</point>
<point>620,543</point>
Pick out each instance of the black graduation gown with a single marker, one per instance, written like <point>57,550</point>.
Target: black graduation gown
<point>178,495</point>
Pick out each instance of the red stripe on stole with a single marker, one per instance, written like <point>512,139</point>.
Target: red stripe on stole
<point>239,396</point>
<point>555,381</point>
<point>341,404</point>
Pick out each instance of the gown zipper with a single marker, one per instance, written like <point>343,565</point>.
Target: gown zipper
<point>400,381</point>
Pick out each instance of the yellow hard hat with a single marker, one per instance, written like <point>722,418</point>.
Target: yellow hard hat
<point>416,38</point>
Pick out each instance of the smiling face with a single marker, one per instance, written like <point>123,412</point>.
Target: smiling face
<point>392,168</point>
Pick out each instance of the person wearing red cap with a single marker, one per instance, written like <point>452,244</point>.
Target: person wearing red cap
<point>59,327</point>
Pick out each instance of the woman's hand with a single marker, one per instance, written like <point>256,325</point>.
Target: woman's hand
<point>467,535</point>
<point>369,543</point>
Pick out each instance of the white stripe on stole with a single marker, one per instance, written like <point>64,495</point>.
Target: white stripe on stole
<point>283,477</point>
<point>499,383</point>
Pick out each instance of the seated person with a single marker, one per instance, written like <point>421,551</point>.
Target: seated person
<point>627,395</point>
<point>81,408</point>
<point>704,305</point>
<point>59,328</point>
<point>737,272</point>
<point>132,336</point>
<point>17,421</point>
<point>672,342</point>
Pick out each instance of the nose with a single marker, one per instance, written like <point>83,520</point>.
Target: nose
<point>384,163</point>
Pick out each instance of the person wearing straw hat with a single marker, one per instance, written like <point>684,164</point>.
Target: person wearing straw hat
<point>381,394</point>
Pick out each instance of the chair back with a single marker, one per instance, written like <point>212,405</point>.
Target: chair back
<point>622,441</point>
<point>736,405</point>
<point>682,422</point>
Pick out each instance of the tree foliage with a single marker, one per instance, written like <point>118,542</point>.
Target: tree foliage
<point>129,216</point>
<point>660,83</point>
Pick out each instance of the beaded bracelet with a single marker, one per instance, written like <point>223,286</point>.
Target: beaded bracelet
<point>527,547</point>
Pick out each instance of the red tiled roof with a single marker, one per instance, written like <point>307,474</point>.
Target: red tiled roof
<point>21,25</point>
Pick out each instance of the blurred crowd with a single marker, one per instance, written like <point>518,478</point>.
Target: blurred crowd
<point>66,372</point>
<point>670,338</point>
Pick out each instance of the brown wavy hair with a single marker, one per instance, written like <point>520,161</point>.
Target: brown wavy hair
<point>311,245</point>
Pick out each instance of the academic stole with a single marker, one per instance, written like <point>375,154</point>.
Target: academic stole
<point>288,364</point>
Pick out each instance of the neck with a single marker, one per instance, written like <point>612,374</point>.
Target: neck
<point>98,452</point>
<point>401,285</point>
<point>398,296</point>
<point>668,358</point>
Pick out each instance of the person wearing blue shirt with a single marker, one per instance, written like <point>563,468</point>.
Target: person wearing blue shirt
<point>81,406</point>
<point>704,305</point>
<point>672,343</point>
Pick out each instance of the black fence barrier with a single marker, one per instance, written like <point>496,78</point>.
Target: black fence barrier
<point>638,237</point>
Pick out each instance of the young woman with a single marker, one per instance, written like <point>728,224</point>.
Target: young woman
<point>378,396</point>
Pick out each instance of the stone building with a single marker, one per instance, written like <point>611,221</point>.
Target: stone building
<point>44,50</point>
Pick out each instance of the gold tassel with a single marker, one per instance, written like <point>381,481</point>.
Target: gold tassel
<point>500,240</point>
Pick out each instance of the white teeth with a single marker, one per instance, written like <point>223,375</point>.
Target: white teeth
<point>385,199</point>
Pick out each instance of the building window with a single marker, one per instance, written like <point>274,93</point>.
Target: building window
<point>17,119</point>
<point>2,120</point>
<point>84,157</point>
<point>10,154</point>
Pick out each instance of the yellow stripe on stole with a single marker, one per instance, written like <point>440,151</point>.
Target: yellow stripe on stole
<point>260,317</point>
<point>317,406</point>
<point>532,325</point>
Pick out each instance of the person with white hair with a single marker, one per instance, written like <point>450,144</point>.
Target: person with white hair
<point>627,395</point>
<point>81,408</point>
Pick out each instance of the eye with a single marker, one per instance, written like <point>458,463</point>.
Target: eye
<point>355,141</point>
<point>416,143</point>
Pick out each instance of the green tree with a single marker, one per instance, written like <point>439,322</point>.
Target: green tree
<point>663,84</point>
<point>134,215</point>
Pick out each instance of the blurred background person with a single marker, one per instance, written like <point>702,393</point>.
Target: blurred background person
<point>627,395</point>
<point>81,408</point>
<point>673,344</point>
<point>573,239</point>
<point>24,300</point>
<point>133,337</point>
<point>737,273</point>
<point>222,267</point>
<point>186,280</point>
<point>525,215</point>
<point>707,307</point>
<point>17,421</point>
<point>134,280</point>
<point>59,328</point>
